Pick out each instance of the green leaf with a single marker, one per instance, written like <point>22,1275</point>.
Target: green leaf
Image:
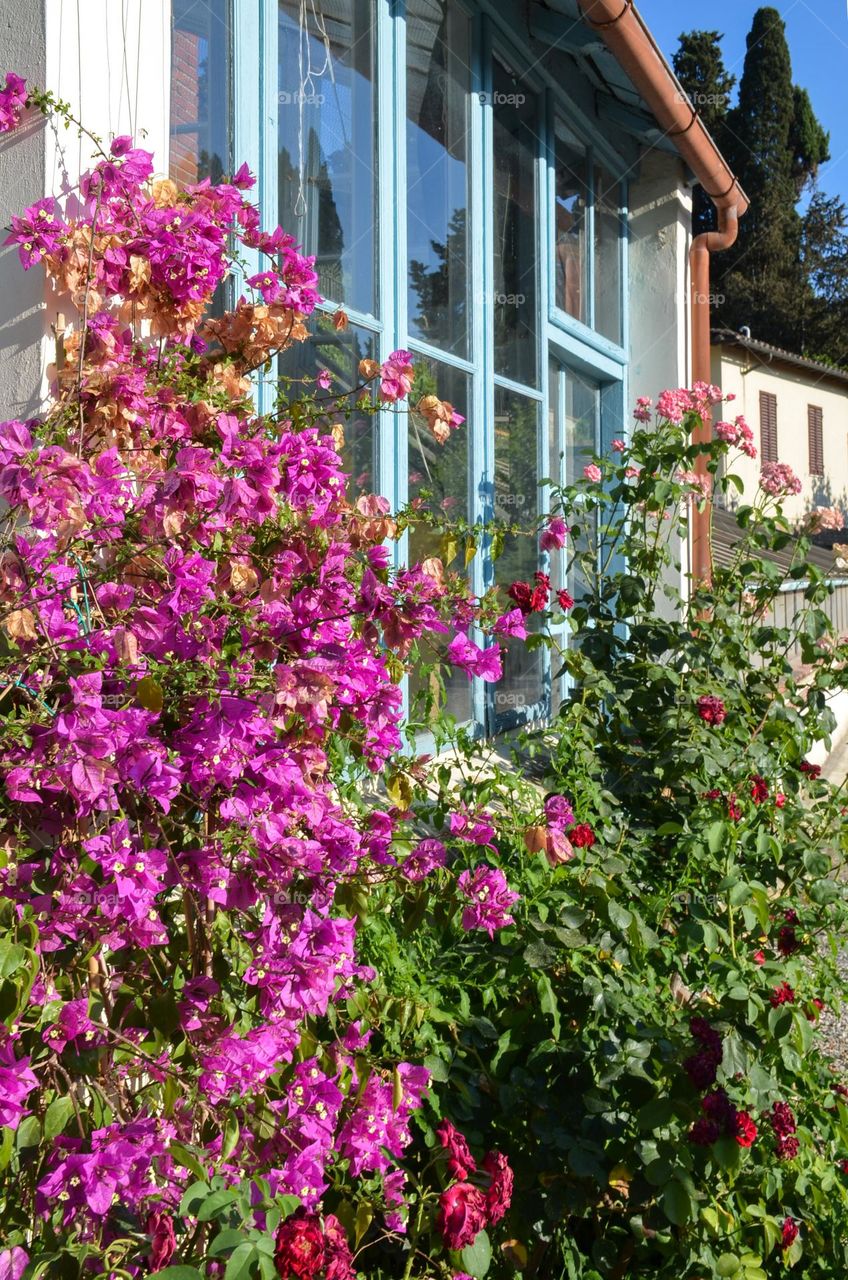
<point>213,1204</point>
<point>57,1116</point>
<point>548,1001</point>
<point>231,1136</point>
<point>676,1203</point>
<point>728,1264</point>
<point>226,1240</point>
<point>240,1263</point>
<point>619,916</point>
<point>477,1256</point>
<point>655,1114</point>
<point>716,836</point>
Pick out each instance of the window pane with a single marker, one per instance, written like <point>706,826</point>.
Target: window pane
<point>438,475</point>
<point>572,199</point>
<point>438,86</point>
<point>200,91</point>
<point>607,256</point>
<point>515,147</point>
<point>516,501</point>
<point>581,429</point>
<point>340,353</point>
<point>327,147</point>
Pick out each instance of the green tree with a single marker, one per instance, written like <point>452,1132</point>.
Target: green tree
<point>699,66</point>
<point>824,248</point>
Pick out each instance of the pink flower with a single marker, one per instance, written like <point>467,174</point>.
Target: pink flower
<point>592,472</point>
<point>511,624</point>
<point>642,412</point>
<point>13,98</point>
<point>553,535</point>
<point>13,1263</point>
<point>618,446</point>
<point>779,480</point>
<point>324,380</point>
<point>465,654</point>
<point>490,898</point>
<point>396,375</point>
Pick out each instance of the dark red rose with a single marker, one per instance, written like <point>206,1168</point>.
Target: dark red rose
<point>499,1194</point>
<point>566,601</point>
<point>462,1213</point>
<point>460,1160</point>
<point>163,1242</point>
<point>582,836</point>
<point>522,594</point>
<point>759,789</point>
<point>338,1262</point>
<point>811,770</point>
<point>704,1132</point>
<point>711,709</point>
<point>299,1248</point>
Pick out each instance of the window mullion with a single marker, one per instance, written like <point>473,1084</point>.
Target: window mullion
<point>391,467</point>
<point>268,180</point>
<point>590,239</point>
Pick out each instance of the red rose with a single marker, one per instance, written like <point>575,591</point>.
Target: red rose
<point>746,1130</point>
<point>759,957</point>
<point>711,709</point>
<point>566,601</point>
<point>338,1263</point>
<point>538,600</point>
<point>811,770</point>
<point>163,1242</point>
<point>759,789</point>
<point>780,800</point>
<point>299,1250</point>
<point>462,1213</point>
<point>499,1194</point>
<point>582,836</point>
<point>522,594</point>
<point>784,994</point>
<point>788,1233</point>
<point>460,1160</point>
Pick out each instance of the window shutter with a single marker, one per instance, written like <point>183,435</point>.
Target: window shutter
<point>768,426</point>
<point>815,438</point>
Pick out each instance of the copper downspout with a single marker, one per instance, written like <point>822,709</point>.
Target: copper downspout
<point>627,37</point>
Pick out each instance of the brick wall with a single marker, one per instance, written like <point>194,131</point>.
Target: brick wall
<point>185,105</point>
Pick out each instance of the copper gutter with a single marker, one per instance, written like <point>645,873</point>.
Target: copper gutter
<point>623,31</point>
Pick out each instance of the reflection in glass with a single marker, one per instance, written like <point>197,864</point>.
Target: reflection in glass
<point>340,354</point>
<point>438,475</point>
<point>572,200</point>
<point>438,85</point>
<point>327,142</point>
<point>582,402</point>
<point>607,256</point>
<point>516,501</point>
<point>515,147</point>
<point>199,144</point>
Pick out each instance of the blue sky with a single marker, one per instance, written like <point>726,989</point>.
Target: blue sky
<point>817,32</point>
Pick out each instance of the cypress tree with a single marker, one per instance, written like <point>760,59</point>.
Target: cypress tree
<point>699,66</point>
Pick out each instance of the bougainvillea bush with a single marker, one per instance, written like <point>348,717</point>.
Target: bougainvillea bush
<point>202,649</point>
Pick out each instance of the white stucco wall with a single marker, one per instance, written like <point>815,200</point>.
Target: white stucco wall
<point>745,374</point>
<point>109,60</point>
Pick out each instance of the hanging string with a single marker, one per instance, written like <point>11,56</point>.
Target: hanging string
<point>306,84</point>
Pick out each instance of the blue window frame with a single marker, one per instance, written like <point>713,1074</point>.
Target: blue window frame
<point>460,205</point>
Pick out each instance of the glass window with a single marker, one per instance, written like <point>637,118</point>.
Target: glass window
<point>438,57</point>
<point>327,142</point>
<point>582,404</point>
<point>572,202</point>
<point>516,145</point>
<point>340,354</point>
<point>200,91</point>
<point>516,501</point>
<point>608,231</point>
<point>438,477</point>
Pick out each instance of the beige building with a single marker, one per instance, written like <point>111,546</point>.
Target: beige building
<point>798,411</point>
